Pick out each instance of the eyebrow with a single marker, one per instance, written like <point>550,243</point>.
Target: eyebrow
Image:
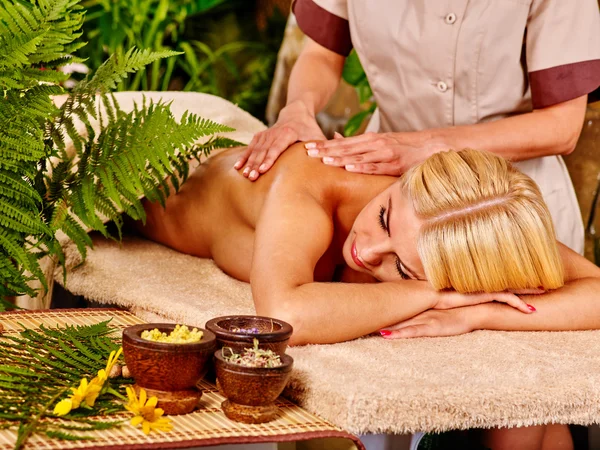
<point>389,214</point>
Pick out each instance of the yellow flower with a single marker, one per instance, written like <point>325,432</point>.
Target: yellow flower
<point>63,407</point>
<point>146,412</point>
<point>112,360</point>
<point>87,392</point>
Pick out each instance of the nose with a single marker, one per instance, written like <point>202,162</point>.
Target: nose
<point>373,253</point>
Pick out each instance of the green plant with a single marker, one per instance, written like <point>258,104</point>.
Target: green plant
<point>40,366</point>
<point>44,187</point>
<point>354,75</point>
<point>222,52</point>
<point>113,26</point>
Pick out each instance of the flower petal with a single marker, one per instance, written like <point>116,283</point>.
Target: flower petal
<point>63,407</point>
<point>146,427</point>
<point>137,420</point>
<point>142,397</point>
<point>152,401</point>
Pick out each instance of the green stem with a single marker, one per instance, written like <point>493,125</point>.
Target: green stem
<point>117,394</point>
<point>28,429</point>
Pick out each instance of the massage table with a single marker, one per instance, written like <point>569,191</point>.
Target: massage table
<point>370,385</point>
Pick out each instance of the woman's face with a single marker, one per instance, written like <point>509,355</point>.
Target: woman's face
<point>383,238</point>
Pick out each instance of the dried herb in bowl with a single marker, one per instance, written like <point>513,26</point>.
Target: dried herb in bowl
<point>252,357</point>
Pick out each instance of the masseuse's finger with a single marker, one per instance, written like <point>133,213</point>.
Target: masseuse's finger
<point>340,146</point>
<point>257,155</point>
<point>276,148</point>
<point>375,168</point>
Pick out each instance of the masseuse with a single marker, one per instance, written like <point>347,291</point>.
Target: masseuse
<point>510,77</point>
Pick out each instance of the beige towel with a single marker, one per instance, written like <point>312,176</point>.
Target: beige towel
<point>483,379</point>
<point>369,385</point>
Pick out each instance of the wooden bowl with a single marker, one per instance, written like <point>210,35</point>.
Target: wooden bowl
<point>273,334</point>
<point>251,391</point>
<point>168,371</point>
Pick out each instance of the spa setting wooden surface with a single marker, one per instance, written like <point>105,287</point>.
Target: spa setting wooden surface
<point>206,426</point>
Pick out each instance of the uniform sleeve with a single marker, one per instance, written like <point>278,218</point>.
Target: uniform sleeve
<point>563,50</point>
<point>325,22</point>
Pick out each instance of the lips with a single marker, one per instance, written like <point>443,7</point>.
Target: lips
<point>354,254</point>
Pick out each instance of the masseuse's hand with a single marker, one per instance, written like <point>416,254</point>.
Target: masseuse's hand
<point>375,153</point>
<point>295,123</point>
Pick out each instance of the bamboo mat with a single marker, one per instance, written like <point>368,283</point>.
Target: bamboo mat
<point>206,426</point>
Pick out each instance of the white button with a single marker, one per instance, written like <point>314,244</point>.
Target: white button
<point>450,18</point>
<point>442,86</point>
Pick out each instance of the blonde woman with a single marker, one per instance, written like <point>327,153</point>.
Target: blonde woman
<point>462,228</point>
<point>450,243</point>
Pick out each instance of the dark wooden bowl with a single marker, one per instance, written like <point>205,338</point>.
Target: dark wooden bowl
<point>273,334</point>
<point>165,366</point>
<point>251,391</point>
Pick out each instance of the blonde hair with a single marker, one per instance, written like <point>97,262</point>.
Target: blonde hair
<point>485,224</point>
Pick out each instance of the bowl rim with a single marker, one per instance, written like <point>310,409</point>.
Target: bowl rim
<point>286,366</point>
<point>132,333</point>
<point>273,336</point>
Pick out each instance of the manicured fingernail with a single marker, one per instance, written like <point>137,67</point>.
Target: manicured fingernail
<point>253,174</point>
<point>262,168</point>
<point>310,145</point>
<point>328,160</point>
<point>246,171</point>
<point>313,153</point>
<point>349,167</point>
<point>238,165</point>
<point>385,332</point>
<point>531,308</point>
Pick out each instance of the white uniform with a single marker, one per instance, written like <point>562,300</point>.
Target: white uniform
<point>442,63</point>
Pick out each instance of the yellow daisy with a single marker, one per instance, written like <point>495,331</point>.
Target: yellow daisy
<point>146,413</point>
<point>87,392</point>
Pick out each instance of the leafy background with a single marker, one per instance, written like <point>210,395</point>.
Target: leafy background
<point>227,48</point>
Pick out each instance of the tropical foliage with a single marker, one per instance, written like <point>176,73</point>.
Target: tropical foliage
<point>54,178</point>
<point>354,75</point>
<point>222,50</point>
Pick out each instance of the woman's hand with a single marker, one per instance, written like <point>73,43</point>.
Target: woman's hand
<point>456,314</point>
<point>295,123</point>
<point>451,322</point>
<point>453,299</point>
<point>375,153</point>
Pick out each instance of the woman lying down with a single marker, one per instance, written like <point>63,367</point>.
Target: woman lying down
<point>451,243</point>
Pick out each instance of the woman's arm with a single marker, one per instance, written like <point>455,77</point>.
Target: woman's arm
<point>575,306</point>
<point>313,81</point>
<point>549,131</point>
<point>293,233</point>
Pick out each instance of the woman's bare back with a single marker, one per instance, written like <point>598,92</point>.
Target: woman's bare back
<point>215,213</point>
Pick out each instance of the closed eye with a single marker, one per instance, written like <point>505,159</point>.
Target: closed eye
<point>402,273</point>
<point>382,223</point>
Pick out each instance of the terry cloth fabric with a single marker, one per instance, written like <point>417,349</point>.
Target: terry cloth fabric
<point>369,385</point>
<point>482,379</point>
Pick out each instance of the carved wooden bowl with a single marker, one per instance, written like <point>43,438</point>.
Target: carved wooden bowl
<point>168,371</point>
<point>251,391</point>
<point>272,334</point>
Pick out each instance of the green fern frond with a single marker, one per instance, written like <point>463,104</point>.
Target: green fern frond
<point>63,436</point>
<point>118,67</point>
